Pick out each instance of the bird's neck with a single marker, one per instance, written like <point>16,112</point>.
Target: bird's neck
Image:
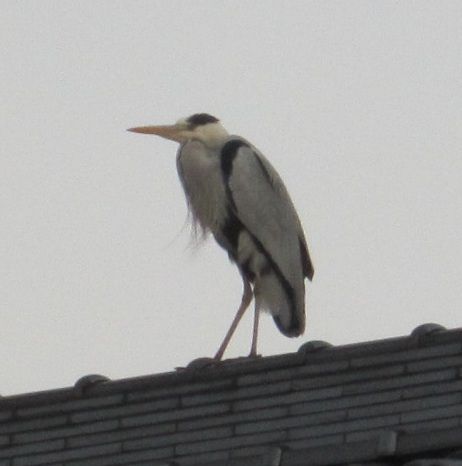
<point>213,135</point>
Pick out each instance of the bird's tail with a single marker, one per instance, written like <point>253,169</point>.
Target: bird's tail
<point>275,295</point>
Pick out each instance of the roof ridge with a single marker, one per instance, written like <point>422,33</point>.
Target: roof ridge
<point>311,352</point>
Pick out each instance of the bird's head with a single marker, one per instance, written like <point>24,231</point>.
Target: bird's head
<point>200,126</point>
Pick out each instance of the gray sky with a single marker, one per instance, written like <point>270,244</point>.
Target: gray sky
<point>357,104</point>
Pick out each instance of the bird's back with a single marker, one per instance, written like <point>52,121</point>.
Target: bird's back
<point>269,244</point>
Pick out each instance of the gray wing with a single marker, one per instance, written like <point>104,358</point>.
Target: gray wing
<point>264,207</point>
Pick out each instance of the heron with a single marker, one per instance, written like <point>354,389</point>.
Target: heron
<point>233,192</point>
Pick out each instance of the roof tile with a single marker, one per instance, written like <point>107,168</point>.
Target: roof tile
<point>292,372</point>
<point>408,355</point>
<point>229,443</point>
<point>49,458</point>
<point>29,448</point>
<point>289,398</point>
<point>240,393</point>
<point>315,442</point>
<point>72,405</point>
<point>431,425</point>
<point>4,440</point>
<point>345,377</point>
<point>434,363</point>
<point>40,435</point>
<point>335,405</point>
<point>403,381</point>
<point>429,389</point>
<point>149,394</point>
<point>33,424</point>
<point>292,421</point>
<point>178,438</point>
<point>347,426</point>
<point>6,414</point>
<point>125,410</point>
<point>212,458</point>
<point>146,457</point>
<point>441,412</point>
<point>121,435</point>
<point>234,418</point>
<point>179,414</point>
<point>367,399</point>
<point>405,406</point>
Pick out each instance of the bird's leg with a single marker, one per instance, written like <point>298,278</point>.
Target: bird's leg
<point>246,299</point>
<point>253,348</point>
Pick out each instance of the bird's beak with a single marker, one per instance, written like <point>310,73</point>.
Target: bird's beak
<point>172,132</point>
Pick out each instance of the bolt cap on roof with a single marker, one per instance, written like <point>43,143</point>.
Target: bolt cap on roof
<point>88,381</point>
<point>312,346</point>
<point>427,329</point>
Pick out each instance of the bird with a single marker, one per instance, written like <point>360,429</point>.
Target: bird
<point>233,192</point>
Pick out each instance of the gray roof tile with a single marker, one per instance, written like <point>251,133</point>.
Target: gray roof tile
<point>368,434</point>
<point>403,381</point>
<point>175,415</point>
<point>178,438</point>
<point>120,435</point>
<point>419,405</point>
<point>32,424</point>
<point>243,452</point>
<point>165,405</point>
<point>132,458</point>
<point>210,458</point>
<point>6,414</point>
<point>339,402</point>
<point>422,441</point>
<point>431,425</point>
<point>290,373</point>
<point>67,406</point>
<point>435,388</point>
<point>230,443</point>
<point>234,418</point>
<point>315,442</point>
<point>414,354</point>
<point>346,453</point>
<point>346,426</point>
<point>343,404</point>
<point>29,448</point>
<point>5,440</point>
<point>239,393</point>
<point>188,388</point>
<point>441,412</point>
<point>64,455</point>
<point>345,377</point>
<point>84,430</point>
<point>434,363</point>
<point>292,421</point>
<point>289,398</point>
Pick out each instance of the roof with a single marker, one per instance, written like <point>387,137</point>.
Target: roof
<point>378,401</point>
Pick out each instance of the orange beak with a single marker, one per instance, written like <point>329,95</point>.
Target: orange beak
<point>172,132</point>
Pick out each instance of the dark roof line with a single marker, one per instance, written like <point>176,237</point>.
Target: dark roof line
<point>384,402</point>
<point>205,369</point>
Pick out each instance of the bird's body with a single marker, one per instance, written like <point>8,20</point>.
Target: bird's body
<point>234,192</point>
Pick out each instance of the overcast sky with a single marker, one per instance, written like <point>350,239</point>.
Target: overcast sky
<point>358,105</point>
